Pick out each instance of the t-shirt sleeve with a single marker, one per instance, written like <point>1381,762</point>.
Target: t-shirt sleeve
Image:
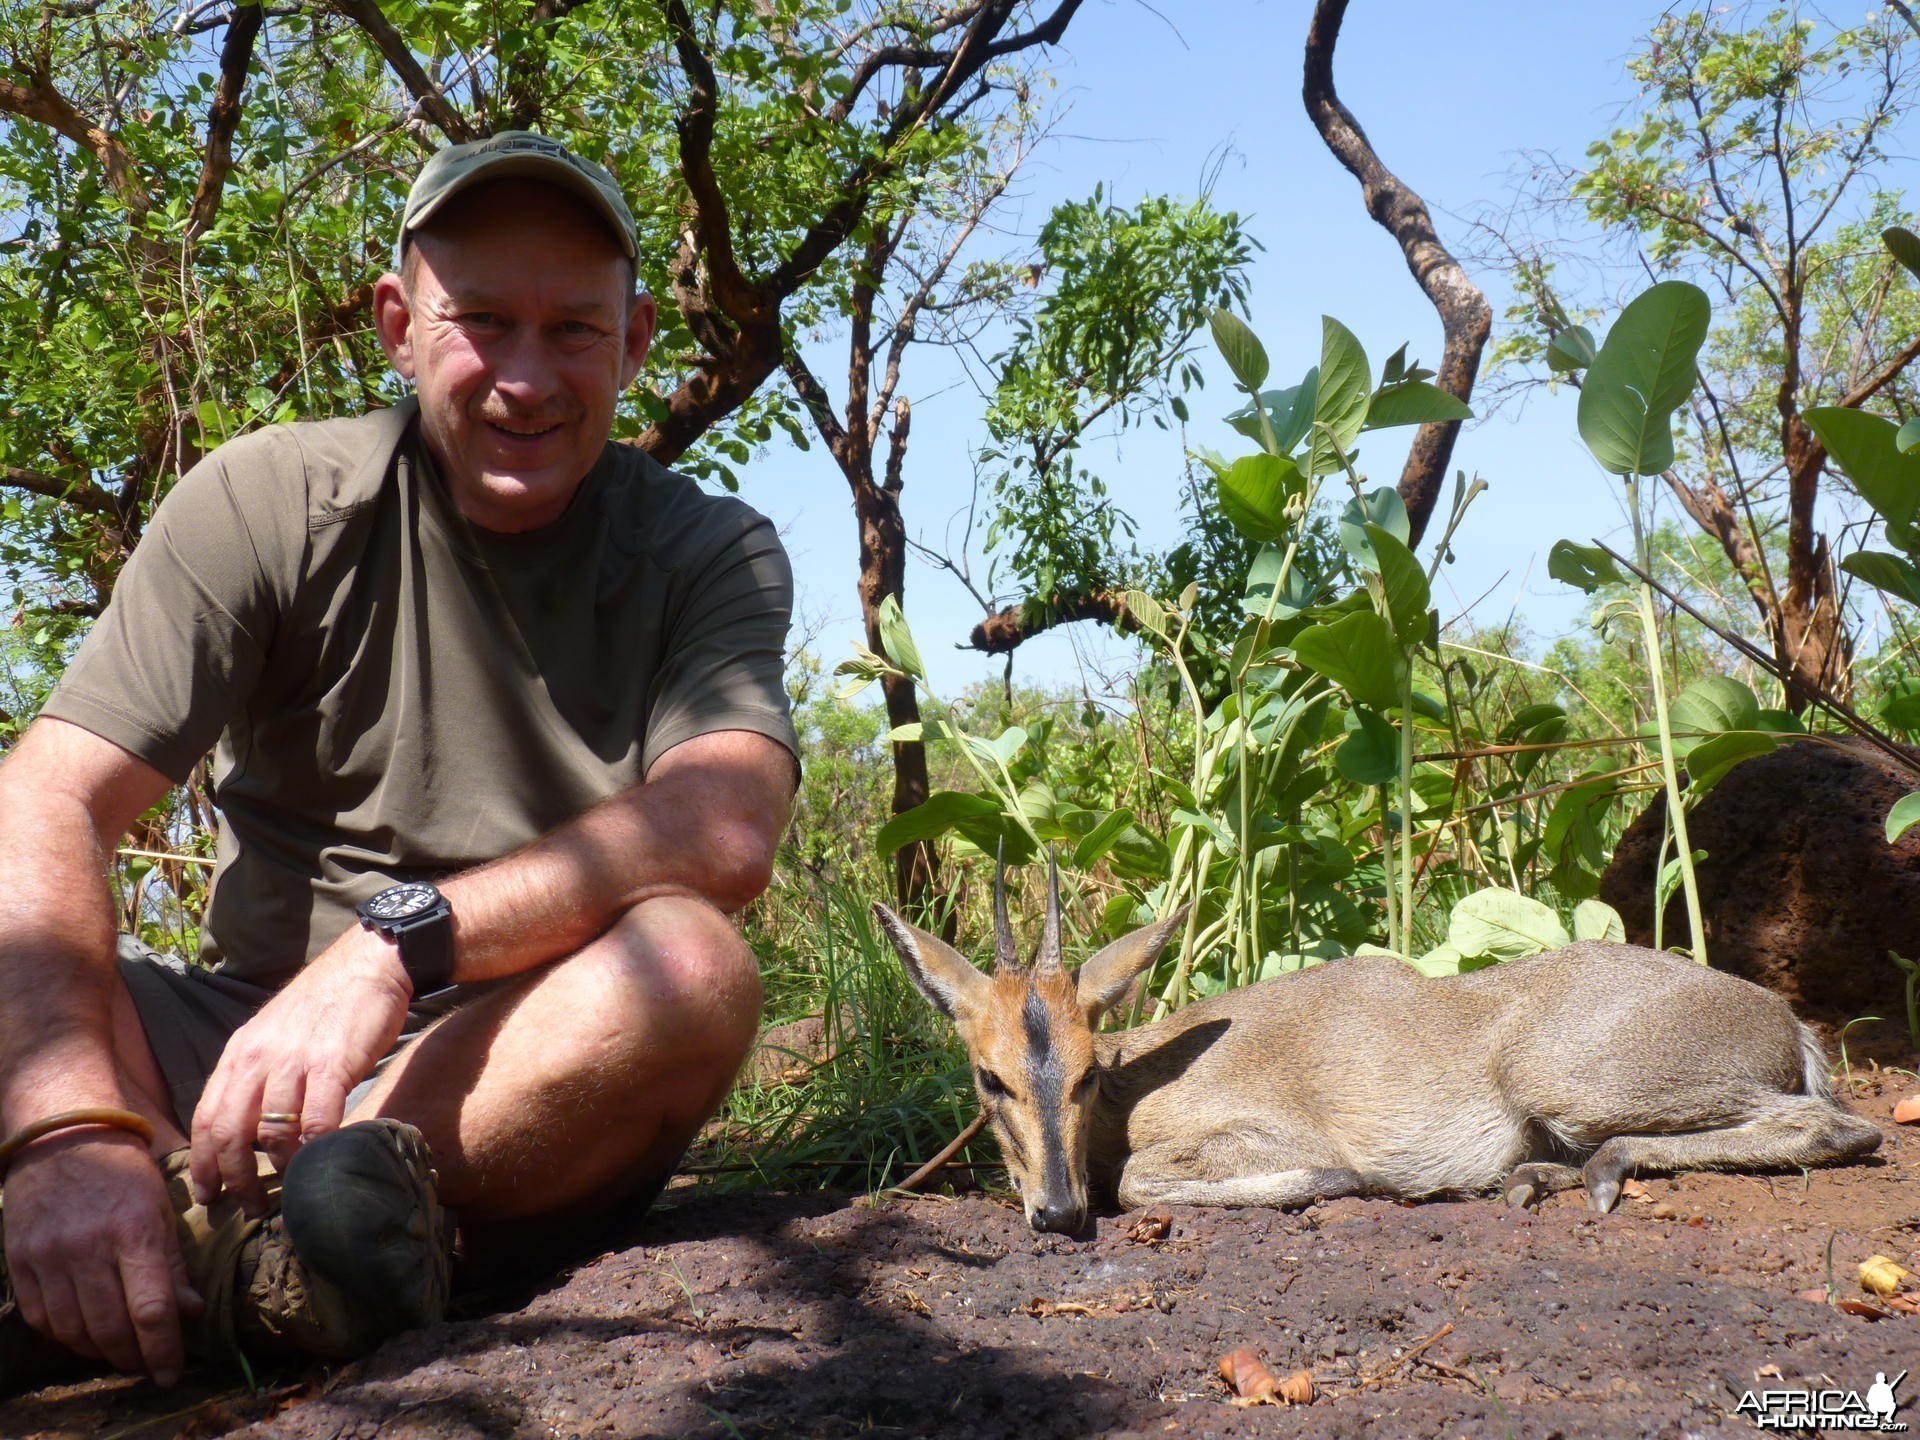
<point>185,635</point>
<point>725,664</point>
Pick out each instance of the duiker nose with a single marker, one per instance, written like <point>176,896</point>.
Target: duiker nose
<point>1058,1218</point>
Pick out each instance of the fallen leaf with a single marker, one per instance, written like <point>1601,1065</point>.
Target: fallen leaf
<point>1818,1297</point>
<point>1907,1111</point>
<point>1905,1304</point>
<point>1862,1309</point>
<point>1881,1275</point>
<point>1698,1222</point>
<point>1768,1372</point>
<point>1248,1377</point>
<point>1154,1226</point>
<point>1634,1190</point>
<point>1297,1388</point>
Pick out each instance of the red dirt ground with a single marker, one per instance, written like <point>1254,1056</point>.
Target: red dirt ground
<point>807,1316</point>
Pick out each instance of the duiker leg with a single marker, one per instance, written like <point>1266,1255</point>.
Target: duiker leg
<point>1279,1188</point>
<point>1531,1183</point>
<point>1791,1130</point>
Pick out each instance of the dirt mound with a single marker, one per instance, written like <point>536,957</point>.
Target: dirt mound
<point>1800,890</point>
<point>804,1316</point>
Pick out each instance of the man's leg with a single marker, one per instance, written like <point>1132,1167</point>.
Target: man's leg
<point>140,1077</point>
<point>583,1082</point>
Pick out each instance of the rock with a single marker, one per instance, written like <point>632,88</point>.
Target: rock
<point>1800,891</point>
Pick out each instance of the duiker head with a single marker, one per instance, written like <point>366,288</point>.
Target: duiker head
<point>1028,1030</point>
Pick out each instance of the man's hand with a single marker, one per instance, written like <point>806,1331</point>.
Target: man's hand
<point>309,1045</point>
<point>104,1278</point>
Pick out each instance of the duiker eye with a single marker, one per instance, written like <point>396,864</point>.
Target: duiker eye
<point>1086,1085</point>
<point>991,1084</point>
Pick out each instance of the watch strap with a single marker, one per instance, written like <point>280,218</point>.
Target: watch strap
<point>426,949</point>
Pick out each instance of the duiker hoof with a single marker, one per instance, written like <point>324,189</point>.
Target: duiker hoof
<point>1603,1195</point>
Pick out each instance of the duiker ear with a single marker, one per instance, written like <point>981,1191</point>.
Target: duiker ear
<point>1104,978</point>
<point>938,971</point>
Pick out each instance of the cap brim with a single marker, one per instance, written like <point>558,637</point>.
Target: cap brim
<point>528,167</point>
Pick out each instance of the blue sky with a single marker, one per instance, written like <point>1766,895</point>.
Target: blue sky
<point>1453,99</point>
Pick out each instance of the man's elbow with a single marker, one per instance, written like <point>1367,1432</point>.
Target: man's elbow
<point>740,864</point>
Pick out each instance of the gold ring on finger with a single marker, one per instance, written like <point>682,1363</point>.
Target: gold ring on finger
<point>279,1117</point>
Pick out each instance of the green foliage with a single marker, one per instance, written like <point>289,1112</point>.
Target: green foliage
<point>1643,373</point>
<point>1111,338</point>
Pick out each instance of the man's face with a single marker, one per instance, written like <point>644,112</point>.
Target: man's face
<point>518,327</point>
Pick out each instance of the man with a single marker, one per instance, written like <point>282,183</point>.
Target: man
<point>498,705</point>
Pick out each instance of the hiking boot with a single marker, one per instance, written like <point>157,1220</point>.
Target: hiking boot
<point>354,1249</point>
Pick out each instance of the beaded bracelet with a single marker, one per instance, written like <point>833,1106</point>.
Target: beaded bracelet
<point>72,1120</point>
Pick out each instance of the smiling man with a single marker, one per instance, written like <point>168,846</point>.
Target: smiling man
<point>500,738</point>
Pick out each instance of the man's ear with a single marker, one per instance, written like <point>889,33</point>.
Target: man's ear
<point>393,321</point>
<point>641,319</point>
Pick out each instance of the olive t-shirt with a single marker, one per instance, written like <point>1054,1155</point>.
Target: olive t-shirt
<point>394,694</point>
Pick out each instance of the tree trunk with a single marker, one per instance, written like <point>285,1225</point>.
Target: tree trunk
<point>883,572</point>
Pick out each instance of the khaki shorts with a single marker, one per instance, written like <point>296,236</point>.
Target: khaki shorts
<point>189,1014</point>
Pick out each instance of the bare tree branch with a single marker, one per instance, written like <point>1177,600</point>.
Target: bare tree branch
<point>223,116</point>
<point>393,47</point>
<point>1465,316</point>
<point>1006,630</point>
<point>81,494</point>
<point>38,99</point>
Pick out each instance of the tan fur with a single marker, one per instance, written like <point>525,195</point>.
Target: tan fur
<point>1363,1076</point>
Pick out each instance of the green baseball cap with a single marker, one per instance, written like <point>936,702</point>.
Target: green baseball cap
<point>516,154</point>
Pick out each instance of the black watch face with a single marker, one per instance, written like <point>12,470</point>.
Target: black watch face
<point>402,901</point>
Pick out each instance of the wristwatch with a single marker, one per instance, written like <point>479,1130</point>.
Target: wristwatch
<point>418,919</point>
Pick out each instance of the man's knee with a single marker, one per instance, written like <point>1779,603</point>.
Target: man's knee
<point>680,963</point>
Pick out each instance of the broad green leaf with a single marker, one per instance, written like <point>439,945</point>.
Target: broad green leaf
<point>1907,438</point>
<point>1341,404</point>
<point>942,811</point>
<point>1408,594</point>
<point>1413,402</point>
<point>1863,446</point>
<point>897,639</point>
<point>1901,707</point>
<point>1597,920</point>
<point>1504,924</point>
<point>1254,493</point>
<point>1147,611</point>
<point>1585,567</point>
<point>1710,759</point>
<point>1240,348</point>
<point>931,728</point>
<point>1357,653</point>
<point>1903,817</point>
<point>1289,412</point>
<point>1382,507</point>
<point>1896,575</point>
<point>1779,722</point>
<point>1643,373</point>
<point>1903,245</point>
<point>1670,880</point>
<point>1439,962</point>
<point>1208,824</point>
<point>1295,595</point>
<point>1571,349</point>
<point>1712,707</point>
<point>1101,838</point>
<point>1002,747</point>
<point>1370,755</point>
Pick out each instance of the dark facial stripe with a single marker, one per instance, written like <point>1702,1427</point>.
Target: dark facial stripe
<point>1047,1083</point>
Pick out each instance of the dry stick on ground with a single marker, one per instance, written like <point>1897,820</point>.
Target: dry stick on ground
<point>939,1162</point>
<point>1464,313</point>
<point>1384,1371</point>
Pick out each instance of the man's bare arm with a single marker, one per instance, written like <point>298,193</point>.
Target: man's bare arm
<point>706,822</point>
<point>89,1234</point>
